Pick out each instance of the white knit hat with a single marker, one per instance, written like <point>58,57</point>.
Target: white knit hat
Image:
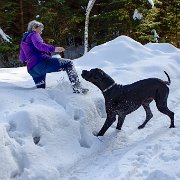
<point>34,23</point>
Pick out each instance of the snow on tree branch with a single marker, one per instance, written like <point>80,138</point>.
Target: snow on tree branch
<point>137,15</point>
<point>151,2</point>
<point>156,36</point>
<point>4,36</point>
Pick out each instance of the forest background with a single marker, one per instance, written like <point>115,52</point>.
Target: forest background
<point>64,23</point>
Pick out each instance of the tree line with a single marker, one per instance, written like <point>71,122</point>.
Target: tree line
<point>64,22</point>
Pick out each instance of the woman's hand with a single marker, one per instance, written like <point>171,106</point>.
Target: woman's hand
<point>59,49</point>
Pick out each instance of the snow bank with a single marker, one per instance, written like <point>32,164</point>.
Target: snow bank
<point>48,134</point>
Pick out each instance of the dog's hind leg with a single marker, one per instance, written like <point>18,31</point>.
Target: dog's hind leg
<point>164,109</point>
<point>149,114</point>
<point>109,121</point>
<point>161,103</point>
<point>120,121</point>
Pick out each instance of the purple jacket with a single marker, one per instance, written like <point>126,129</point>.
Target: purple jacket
<point>33,50</point>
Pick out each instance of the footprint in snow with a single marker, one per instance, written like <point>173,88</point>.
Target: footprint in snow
<point>36,137</point>
<point>31,100</point>
<point>84,140</point>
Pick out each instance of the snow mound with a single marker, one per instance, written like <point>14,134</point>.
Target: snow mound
<point>164,47</point>
<point>122,50</point>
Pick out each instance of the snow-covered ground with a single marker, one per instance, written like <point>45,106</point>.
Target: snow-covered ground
<point>48,134</point>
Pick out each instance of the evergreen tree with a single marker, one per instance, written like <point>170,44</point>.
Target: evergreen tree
<point>64,22</point>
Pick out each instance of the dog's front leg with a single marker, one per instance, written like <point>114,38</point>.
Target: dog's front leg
<point>109,120</point>
<point>120,121</point>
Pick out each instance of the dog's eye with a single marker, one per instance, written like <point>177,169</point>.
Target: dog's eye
<point>101,73</point>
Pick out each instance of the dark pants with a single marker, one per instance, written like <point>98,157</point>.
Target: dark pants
<point>39,71</point>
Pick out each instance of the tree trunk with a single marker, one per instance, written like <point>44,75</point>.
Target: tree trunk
<point>21,16</point>
<point>88,10</point>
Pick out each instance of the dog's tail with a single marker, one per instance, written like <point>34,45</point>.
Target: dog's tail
<point>169,80</point>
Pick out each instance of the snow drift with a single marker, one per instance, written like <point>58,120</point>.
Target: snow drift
<point>48,134</point>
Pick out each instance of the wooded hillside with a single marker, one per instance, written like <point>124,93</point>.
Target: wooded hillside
<point>64,23</point>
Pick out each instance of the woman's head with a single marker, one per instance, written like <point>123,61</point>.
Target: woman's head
<point>35,26</point>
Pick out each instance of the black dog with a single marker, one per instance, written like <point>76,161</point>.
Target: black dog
<point>121,100</point>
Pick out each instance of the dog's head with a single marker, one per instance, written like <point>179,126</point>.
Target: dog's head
<point>98,77</point>
<point>93,76</point>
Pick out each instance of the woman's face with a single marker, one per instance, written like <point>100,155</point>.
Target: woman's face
<point>38,29</point>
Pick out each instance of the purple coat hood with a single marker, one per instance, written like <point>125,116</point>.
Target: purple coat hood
<point>33,50</point>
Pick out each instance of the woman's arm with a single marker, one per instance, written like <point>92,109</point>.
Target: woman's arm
<point>40,45</point>
<point>22,56</point>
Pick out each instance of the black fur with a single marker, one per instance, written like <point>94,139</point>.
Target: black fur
<point>123,99</point>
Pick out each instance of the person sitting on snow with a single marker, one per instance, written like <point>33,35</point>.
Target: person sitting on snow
<point>37,55</point>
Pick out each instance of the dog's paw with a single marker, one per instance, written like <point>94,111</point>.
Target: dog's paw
<point>172,126</point>
<point>141,127</point>
<point>118,128</point>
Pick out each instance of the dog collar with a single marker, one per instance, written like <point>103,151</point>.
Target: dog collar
<point>108,87</point>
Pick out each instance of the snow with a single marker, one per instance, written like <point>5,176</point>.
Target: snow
<point>48,134</point>
<point>151,2</point>
<point>156,36</point>
<point>4,36</point>
<point>137,15</point>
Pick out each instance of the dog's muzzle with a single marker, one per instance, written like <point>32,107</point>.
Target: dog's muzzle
<point>85,74</point>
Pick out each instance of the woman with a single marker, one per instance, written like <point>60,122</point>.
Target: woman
<point>37,55</point>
